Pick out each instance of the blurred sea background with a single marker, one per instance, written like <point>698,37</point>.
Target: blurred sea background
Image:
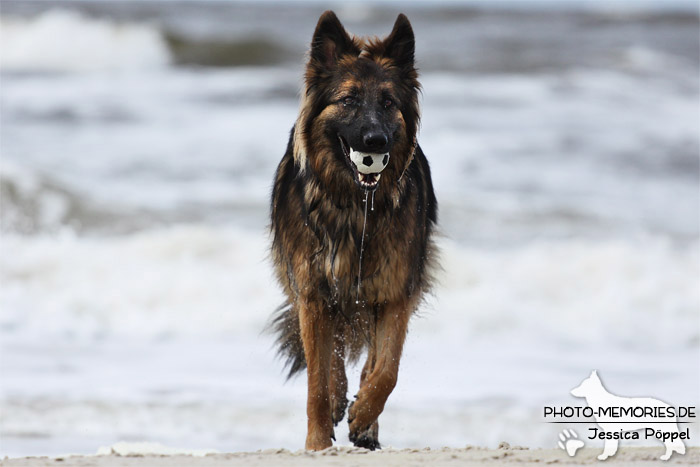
<point>139,141</point>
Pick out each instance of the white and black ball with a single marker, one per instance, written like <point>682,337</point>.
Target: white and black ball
<point>368,163</point>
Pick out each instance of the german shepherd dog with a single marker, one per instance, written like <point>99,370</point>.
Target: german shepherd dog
<point>353,274</point>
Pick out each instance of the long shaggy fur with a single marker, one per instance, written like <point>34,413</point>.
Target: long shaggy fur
<point>318,209</point>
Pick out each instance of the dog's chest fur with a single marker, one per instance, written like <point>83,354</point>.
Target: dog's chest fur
<point>382,261</point>
<point>323,237</point>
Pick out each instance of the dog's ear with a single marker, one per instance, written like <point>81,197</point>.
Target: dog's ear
<point>594,375</point>
<point>331,41</point>
<point>400,46</point>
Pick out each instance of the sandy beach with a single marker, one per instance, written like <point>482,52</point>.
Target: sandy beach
<point>344,455</point>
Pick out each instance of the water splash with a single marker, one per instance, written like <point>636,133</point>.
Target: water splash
<point>362,247</point>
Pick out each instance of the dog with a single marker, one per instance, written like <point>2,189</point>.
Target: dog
<point>600,400</point>
<point>352,218</point>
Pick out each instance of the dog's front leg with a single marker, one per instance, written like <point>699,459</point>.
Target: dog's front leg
<point>392,324</point>
<point>368,439</point>
<point>317,336</point>
<point>609,449</point>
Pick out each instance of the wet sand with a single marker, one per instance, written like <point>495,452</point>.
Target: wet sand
<point>340,456</point>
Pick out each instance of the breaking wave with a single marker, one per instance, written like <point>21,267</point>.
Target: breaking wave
<point>33,202</point>
<point>30,203</point>
<point>63,40</point>
<point>68,41</point>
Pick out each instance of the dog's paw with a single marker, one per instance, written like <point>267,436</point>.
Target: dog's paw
<point>366,440</point>
<point>569,442</point>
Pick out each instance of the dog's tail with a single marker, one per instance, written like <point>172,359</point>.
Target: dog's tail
<point>285,324</point>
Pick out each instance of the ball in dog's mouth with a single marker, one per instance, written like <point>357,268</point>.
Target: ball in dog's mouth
<point>367,166</point>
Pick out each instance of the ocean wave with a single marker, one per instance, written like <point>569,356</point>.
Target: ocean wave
<point>167,324</point>
<point>99,35</point>
<point>31,203</point>
<point>199,280</point>
<point>224,52</point>
<point>67,41</point>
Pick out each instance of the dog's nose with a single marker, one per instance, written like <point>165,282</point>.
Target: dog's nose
<point>375,140</point>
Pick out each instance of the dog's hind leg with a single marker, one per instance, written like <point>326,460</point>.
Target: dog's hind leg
<point>339,380</point>
<point>317,331</point>
<point>672,446</point>
<point>609,449</point>
<point>392,324</point>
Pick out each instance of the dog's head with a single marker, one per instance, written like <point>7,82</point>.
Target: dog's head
<point>588,386</point>
<point>359,112</point>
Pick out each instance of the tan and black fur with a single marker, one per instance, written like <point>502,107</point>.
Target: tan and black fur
<point>359,93</point>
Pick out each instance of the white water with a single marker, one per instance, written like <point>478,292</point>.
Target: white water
<point>63,40</point>
<point>156,337</point>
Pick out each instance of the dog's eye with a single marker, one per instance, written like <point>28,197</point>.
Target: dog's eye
<point>349,100</point>
<point>388,103</point>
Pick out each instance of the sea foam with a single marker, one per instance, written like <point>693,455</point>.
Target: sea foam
<point>63,40</point>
